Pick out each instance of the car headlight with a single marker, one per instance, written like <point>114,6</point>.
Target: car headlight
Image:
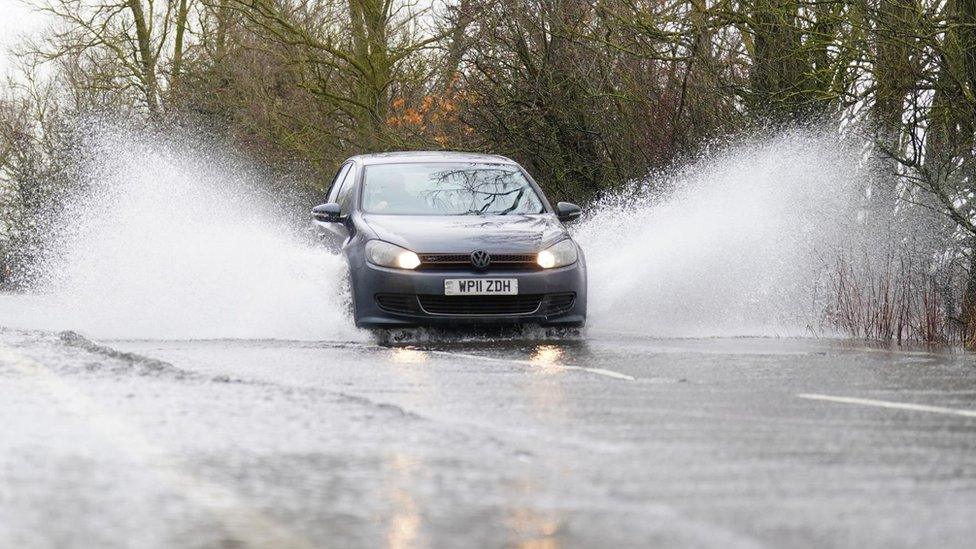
<point>560,254</point>
<point>385,254</point>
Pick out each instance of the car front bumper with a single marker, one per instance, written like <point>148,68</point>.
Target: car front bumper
<point>415,291</point>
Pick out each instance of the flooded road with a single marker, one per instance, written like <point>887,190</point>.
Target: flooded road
<point>607,441</point>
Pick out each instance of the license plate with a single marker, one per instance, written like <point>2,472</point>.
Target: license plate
<point>481,286</point>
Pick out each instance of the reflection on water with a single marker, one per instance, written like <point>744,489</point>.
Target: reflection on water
<point>532,528</point>
<point>404,531</point>
<point>411,376</point>
<point>545,391</point>
<point>543,395</point>
<point>406,355</point>
<point>548,357</point>
<point>404,528</point>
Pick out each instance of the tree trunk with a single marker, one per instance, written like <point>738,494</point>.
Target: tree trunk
<point>892,67</point>
<point>966,29</point>
<point>369,21</point>
<point>181,17</point>
<point>457,45</point>
<point>223,22</point>
<point>147,60</point>
<point>779,67</point>
<point>967,41</point>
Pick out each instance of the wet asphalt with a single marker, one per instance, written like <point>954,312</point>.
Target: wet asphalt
<point>595,441</point>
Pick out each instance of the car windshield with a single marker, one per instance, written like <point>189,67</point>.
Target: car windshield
<point>448,189</point>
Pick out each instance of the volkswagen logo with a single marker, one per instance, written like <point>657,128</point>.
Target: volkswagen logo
<point>481,260</point>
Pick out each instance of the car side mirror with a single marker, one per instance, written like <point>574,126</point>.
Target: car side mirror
<point>327,213</point>
<point>567,211</point>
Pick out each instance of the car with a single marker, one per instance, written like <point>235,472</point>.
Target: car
<point>451,239</point>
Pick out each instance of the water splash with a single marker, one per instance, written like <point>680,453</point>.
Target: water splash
<point>174,241</point>
<point>737,245</point>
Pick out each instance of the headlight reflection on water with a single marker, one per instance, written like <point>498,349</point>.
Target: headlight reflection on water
<point>406,355</point>
<point>405,522</point>
<point>548,356</point>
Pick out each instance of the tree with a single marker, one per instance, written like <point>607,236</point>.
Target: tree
<point>139,36</point>
<point>348,58</point>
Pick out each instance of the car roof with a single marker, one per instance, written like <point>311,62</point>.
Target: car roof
<point>428,156</point>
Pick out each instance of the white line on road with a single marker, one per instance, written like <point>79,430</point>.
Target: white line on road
<point>597,371</point>
<point>889,404</point>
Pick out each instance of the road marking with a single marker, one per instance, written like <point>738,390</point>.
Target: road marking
<point>250,527</point>
<point>890,404</point>
<point>597,371</point>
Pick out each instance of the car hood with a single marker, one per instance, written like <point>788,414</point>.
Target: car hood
<point>467,233</point>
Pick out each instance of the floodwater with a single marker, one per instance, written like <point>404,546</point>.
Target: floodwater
<point>602,441</point>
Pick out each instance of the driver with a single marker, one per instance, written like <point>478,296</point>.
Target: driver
<point>394,196</point>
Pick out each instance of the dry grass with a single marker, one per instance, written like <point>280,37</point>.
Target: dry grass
<point>901,301</point>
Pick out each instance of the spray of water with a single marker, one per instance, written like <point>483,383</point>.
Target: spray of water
<point>173,241</point>
<point>736,245</point>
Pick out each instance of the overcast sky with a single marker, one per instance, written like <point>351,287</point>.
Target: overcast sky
<point>16,19</point>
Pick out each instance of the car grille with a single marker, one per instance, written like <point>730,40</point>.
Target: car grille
<point>559,303</point>
<point>477,305</point>
<point>508,262</point>
<point>398,303</point>
<point>548,304</point>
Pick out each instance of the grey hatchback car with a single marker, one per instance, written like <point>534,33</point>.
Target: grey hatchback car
<point>443,238</point>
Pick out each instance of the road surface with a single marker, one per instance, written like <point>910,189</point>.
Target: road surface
<point>594,441</point>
